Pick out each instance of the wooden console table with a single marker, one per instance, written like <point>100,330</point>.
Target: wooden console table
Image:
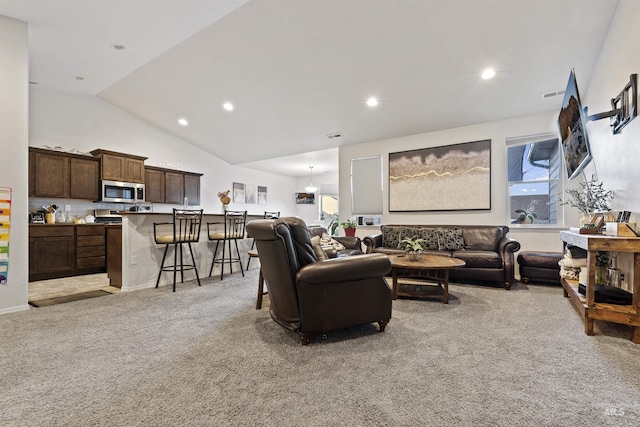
<point>586,305</point>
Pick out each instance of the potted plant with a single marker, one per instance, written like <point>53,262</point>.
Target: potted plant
<point>590,197</point>
<point>413,246</point>
<point>349,227</point>
<point>526,216</point>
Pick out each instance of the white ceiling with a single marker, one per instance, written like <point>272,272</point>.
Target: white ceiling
<point>298,70</point>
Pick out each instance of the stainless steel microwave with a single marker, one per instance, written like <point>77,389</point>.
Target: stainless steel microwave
<point>124,192</point>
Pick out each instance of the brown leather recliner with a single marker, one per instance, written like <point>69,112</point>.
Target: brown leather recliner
<point>307,296</point>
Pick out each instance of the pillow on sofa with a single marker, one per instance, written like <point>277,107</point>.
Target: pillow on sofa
<point>450,239</point>
<point>328,241</point>
<point>430,237</point>
<point>317,249</point>
<point>390,236</point>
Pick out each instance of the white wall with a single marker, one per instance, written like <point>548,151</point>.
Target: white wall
<point>14,104</point>
<point>87,123</point>
<point>616,158</point>
<point>545,239</point>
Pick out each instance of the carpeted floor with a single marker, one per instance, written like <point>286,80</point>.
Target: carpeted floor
<point>68,298</point>
<point>203,356</point>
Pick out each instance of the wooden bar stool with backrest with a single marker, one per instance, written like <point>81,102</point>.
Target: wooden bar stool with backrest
<point>252,252</point>
<point>184,229</point>
<point>230,229</point>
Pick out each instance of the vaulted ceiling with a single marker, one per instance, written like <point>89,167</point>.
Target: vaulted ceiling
<point>299,71</point>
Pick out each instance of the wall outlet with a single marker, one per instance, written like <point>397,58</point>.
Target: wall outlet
<point>134,259</point>
<point>67,208</point>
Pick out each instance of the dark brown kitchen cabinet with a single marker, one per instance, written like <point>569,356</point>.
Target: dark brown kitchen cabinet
<point>48,174</point>
<point>52,251</point>
<point>192,188</point>
<point>120,167</point>
<point>174,187</point>
<point>57,250</point>
<point>84,179</point>
<point>91,248</point>
<point>154,185</point>
<point>63,175</point>
<point>171,186</point>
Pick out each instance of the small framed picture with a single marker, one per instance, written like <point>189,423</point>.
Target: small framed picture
<point>305,198</point>
<point>598,220</point>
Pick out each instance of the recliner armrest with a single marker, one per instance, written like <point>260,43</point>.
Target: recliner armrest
<point>344,269</point>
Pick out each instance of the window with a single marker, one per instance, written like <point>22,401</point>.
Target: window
<point>533,168</point>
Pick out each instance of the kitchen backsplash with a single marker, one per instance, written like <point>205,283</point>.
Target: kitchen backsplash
<point>80,208</point>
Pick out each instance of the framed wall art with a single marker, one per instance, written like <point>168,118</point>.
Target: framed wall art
<point>446,178</point>
<point>262,195</point>
<point>238,192</point>
<point>305,198</point>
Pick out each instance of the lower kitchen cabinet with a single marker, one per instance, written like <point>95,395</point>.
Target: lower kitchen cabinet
<point>52,252</point>
<point>59,250</point>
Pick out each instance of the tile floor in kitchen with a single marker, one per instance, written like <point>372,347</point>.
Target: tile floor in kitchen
<point>69,285</point>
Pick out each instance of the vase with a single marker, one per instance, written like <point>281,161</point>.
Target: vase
<point>225,208</point>
<point>350,232</point>
<point>414,255</point>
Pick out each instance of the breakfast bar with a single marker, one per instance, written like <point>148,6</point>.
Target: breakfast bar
<point>141,257</point>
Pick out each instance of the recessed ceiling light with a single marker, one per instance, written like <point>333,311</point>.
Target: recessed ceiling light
<point>372,102</point>
<point>227,106</point>
<point>118,46</point>
<point>183,122</point>
<point>77,77</point>
<point>489,73</point>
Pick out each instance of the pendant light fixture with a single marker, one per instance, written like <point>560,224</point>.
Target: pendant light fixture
<point>311,188</point>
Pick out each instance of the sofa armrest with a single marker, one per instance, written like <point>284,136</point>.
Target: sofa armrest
<point>506,249</point>
<point>349,242</point>
<point>344,269</point>
<point>372,242</point>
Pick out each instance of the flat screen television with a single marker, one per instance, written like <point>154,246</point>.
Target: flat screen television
<point>572,125</point>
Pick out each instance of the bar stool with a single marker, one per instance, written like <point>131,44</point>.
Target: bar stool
<point>185,228</point>
<point>267,215</point>
<point>231,228</point>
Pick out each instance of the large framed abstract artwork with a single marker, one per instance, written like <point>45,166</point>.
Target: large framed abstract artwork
<point>448,178</point>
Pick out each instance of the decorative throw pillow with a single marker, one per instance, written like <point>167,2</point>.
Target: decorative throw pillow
<point>430,237</point>
<point>328,241</point>
<point>390,236</point>
<point>317,249</point>
<point>450,239</point>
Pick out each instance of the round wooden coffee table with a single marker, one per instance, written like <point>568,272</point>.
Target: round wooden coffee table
<point>428,267</point>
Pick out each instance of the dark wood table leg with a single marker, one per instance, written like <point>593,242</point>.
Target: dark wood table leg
<point>445,289</point>
<point>394,275</point>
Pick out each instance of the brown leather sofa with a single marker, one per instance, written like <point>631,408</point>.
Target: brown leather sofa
<point>486,249</point>
<point>309,296</point>
<point>352,245</point>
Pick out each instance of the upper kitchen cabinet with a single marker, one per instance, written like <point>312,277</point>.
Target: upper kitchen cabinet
<point>192,187</point>
<point>85,179</point>
<point>63,175</point>
<point>154,185</point>
<point>171,186</point>
<point>48,173</point>
<point>121,167</point>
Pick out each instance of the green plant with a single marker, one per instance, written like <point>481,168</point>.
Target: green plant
<point>348,224</point>
<point>524,214</point>
<point>333,225</point>
<point>412,244</point>
<point>590,197</point>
